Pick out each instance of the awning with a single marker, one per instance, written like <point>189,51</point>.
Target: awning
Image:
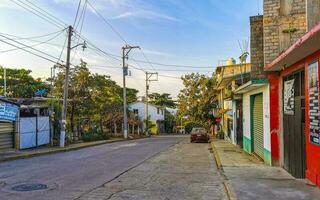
<point>305,46</point>
<point>251,85</point>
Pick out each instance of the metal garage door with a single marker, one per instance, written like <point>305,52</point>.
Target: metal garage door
<point>258,125</point>
<point>6,135</point>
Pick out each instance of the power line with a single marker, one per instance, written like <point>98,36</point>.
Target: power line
<point>37,13</point>
<point>28,51</point>
<point>62,50</point>
<point>32,37</point>
<point>40,43</point>
<point>75,18</point>
<point>81,20</point>
<point>107,22</point>
<point>46,12</point>
<point>28,47</point>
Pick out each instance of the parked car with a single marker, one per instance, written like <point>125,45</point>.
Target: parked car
<point>199,135</point>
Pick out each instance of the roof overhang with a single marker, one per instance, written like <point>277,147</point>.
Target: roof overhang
<point>251,85</point>
<point>305,46</point>
<point>226,80</point>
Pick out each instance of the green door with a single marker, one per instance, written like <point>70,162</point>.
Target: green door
<point>257,126</point>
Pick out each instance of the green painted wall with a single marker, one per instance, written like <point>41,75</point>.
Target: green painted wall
<point>247,144</point>
<point>267,157</point>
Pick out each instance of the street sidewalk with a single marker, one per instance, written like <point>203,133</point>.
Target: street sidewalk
<point>252,179</point>
<point>14,154</point>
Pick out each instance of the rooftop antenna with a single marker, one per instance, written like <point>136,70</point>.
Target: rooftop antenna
<point>244,55</point>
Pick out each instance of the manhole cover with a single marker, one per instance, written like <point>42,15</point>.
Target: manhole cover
<point>29,187</point>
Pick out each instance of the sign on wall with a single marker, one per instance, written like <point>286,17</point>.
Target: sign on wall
<point>314,118</point>
<point>288,97</point>
<point>8,111</point>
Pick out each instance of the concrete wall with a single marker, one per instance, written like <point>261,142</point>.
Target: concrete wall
<point>256,47</point>
<point>154,116</point>
<point>266,122</point>
<point>284,22</point>
<point>313,13</point>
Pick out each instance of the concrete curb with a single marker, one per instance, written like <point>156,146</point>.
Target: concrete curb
<point>227,186</point>
<point>65,149</point>
<point>216,156</point>
<point>230,193</point>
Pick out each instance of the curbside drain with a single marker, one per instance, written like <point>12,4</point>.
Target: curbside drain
<point>29,187</point>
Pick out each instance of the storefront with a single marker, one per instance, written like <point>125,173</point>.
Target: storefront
<point>294,106</point>
<point>8,117</point>
<point>256,121</point>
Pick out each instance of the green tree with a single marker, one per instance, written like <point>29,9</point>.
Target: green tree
<point>20,83</point>
<point>195,100</point>
<point>163,100</point>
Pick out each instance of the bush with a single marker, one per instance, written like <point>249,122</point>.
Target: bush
<point>94,136</point>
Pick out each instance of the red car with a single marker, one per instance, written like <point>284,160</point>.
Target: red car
<point>199,135</point>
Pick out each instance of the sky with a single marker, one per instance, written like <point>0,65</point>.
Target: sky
<point>180,32</point>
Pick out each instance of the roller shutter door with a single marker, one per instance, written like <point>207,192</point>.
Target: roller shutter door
<point>6,135</point>
<point>258,125</point>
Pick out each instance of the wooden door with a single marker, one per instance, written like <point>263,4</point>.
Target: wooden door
<point>294,130</point>
<point>239,125</point>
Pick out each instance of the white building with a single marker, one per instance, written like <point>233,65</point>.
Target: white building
<point>156,114</point>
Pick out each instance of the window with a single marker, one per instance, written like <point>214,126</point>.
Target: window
<point>158,111</point>
<point>135,111</point>
<point>161,112</point>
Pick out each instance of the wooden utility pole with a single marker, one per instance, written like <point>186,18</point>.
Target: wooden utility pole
<point>65,91</point>
<point>146,113</point>
<point>125,52</point>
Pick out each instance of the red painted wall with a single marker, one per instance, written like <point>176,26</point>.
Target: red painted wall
<point>274,81</point>
<point>312,151</point>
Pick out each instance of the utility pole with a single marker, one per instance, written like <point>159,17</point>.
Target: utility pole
<point>65,91</point>
<point>125,52</point>
<point>146,113</point>
<point>5,82</point>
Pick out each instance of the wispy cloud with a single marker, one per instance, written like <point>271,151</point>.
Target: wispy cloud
<point>146,14</point>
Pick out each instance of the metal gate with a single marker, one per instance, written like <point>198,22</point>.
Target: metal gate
<point>34,131</point>
<point>294,129</point>
<point>257,125</point>
<point>6,135</point>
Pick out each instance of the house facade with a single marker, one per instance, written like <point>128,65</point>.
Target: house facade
<point>280,102</point>
<point>156,115</point>
<point>296,83</point>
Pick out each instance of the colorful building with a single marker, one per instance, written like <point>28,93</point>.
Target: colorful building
<point>296,88</point>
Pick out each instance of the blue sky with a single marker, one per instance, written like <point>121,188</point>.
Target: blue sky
<point>188,32</point>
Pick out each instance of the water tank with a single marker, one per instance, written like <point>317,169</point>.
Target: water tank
<point>231,61</point>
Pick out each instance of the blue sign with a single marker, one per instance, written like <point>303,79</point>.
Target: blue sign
<point>8,111</point>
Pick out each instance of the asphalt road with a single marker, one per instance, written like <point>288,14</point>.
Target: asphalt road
<point>72,174</point>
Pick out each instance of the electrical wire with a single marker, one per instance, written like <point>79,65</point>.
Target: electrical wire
<point>27,46</point>
<point>107,22</point>
<point>62,50</point>
<point>32,37</point>
<point>40,43</point>
<point>81,19</point>
<point>75,18</point>
<point>45,58</point>
<point>46,12</point>
<point>37,13</point>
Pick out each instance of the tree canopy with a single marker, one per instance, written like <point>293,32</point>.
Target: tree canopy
<point>163,100</point>
<point>20,83</point>
<point>195,100</point>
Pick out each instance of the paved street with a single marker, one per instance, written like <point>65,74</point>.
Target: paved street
<point>185,171</point>
<point>155,168</point>
<point>72,174</point>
